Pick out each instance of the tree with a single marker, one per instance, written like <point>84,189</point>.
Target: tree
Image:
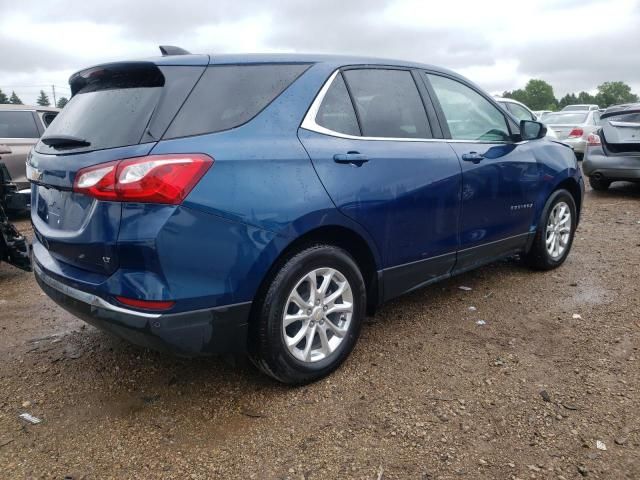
<point>614,93</point>
<point>43,99</point>
<point>540,95</point>
<point>585,98</point>
<point>62,101</point>
<point>568,99</point>
<point>15,99</point>
<point>537,95</point>
<point>3,97</point>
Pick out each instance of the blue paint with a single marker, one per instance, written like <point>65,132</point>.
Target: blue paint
<point>273,182</point>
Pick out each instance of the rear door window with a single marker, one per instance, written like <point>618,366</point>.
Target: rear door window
<point>388,103</point>
<point>18,125</point>
<point>228,96</point>
<point>336,112</point>
<point>469,115</point>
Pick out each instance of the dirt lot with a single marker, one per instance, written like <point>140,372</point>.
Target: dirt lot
<point>428,393</point>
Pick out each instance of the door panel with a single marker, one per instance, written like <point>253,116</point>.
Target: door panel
<point>16,160</point>
<point>406,195</point>
<point>500,178</point>
<point>498,192</point>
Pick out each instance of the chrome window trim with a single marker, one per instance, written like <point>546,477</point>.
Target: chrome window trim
<point>309,123</point>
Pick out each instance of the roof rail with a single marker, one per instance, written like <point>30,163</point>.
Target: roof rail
<point>171,50</point>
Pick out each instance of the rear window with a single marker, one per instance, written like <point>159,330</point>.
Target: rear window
<point>18,125</point>
<point>566,118</point>
<point>121,104</point>
<point>228,96</point>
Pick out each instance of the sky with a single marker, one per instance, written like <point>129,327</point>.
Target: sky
<point>572,44</point>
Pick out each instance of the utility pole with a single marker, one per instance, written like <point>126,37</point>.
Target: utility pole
<point>53,90</point>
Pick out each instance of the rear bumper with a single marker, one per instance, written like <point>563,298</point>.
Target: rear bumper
<point>612,168</point>
<point>578,144</point>
<point>202,332</point>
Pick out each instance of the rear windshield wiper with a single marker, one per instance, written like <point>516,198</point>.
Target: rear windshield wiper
<point>61,141</point>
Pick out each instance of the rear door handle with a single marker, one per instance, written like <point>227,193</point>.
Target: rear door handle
<point>353,158</point>
<point>474,157</point>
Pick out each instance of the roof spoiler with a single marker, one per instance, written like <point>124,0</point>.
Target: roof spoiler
<point>624,111</point>
<point>171,50</point>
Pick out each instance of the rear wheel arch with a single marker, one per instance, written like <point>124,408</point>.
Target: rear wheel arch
<point>347,239</point>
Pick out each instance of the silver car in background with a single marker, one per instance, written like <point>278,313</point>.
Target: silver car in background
<point>613,152</point>
<point>522,112</point>
<point>580,107</point>
<point>574,127</point>
<point>20,128</point>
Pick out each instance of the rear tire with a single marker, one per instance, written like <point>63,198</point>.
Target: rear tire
<point>309,319</point>
<point>555,233</point>
<point>599,184</point>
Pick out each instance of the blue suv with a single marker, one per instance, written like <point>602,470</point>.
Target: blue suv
<point>266,203</point>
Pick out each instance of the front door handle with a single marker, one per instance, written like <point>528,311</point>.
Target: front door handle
<point>353,158</point>
<point>474,157</point>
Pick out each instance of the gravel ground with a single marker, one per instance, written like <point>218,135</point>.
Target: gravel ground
<point>427,393</point>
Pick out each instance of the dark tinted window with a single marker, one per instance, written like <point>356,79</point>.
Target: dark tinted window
<point>18,125</point>
<point>469,115</point>
<point>388,103</point>
<point>228,96</point>
<point>48,117</point>
<point>107,118</point>
<point>336,112</point>
<point>121,104</point>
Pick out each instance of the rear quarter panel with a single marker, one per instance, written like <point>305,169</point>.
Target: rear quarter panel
<point>263,184</point>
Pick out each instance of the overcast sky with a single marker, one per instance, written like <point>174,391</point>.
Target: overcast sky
<point>573,44</point>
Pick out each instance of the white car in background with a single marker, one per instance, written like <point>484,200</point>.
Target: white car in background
<point>573,127</point>
<point>522,112</point>
<point>541,114</point>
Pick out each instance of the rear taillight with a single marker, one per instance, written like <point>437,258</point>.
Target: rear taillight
<point>146,304</point>
<point>576,133</point>
<point>151,179</point>
<point>593,140</point>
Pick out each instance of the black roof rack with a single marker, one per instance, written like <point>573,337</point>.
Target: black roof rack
<point>171,50</point>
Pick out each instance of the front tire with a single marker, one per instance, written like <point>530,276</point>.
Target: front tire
<point>309,319</point>
<point>555,233</point>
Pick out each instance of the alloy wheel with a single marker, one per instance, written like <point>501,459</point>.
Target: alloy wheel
<point>317,315</point>
<point>558,233</point>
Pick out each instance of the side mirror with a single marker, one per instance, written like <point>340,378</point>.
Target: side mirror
<point>530,130</point>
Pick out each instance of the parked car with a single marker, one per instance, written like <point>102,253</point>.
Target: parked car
<point>20,129</point>
<point>580,108</point>
<point>13,246</point>
<point>613,152</point>
<point>522,112</point>
<point>540,114</point>
<point>266,203</point>
<point>573,127</point>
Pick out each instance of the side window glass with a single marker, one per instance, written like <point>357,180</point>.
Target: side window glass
<point>47,118</point>
<point>520,112</point>
<point>18,125</point>
<point>336,111</point>
<point>388,103</point>
<point>469,115</point>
